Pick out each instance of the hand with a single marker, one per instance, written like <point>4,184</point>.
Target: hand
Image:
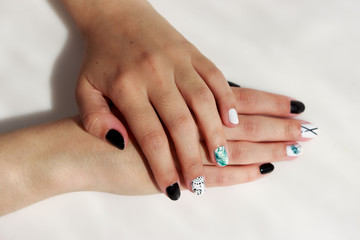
<point>46,166</point>
<point>138,61</point>
<point>266,133</point>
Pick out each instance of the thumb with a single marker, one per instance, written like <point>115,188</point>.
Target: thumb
<point>97,117</point>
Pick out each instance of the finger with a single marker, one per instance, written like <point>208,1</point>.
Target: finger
<point>231,175</point>
<point>201,101</point>
<point>178,120</point>
<point>250,101</point>
<point>149,133</point>
<point>250,153</point>
<point>269,129</point>
<point>96,116</point>
<point>218,85</point>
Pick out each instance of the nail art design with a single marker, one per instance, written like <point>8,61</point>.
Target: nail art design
<point>297,107</point>
<point>233,116</point>
<point>266,168</point>
<point>115,138</point>
<point>198,185</point>
<point>308,130</point>
<point>294,150</point>
<point>221,156</point>
<point>173,191</point>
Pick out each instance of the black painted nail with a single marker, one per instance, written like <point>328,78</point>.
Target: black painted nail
<point>231,84</point>
<point>266,168</point>
<point>297,107</point>
<point>173,191</point>
<point>115,138</point>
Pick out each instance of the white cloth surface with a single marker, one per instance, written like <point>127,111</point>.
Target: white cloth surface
<point>305,49</point>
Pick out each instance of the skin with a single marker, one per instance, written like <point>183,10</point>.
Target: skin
<point>138,61</point>
<point>61,157</point>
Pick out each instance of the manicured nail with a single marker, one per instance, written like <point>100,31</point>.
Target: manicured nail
<point>266,168</point>
<point>231,84</point>
<point>294,150</point>
<point>173,191</point>
<point>221,156</point>
<point>297,107</point>
<point>116,139</point>
<point>198,185</point>
<point>308,130</point>
<point>233,116</point>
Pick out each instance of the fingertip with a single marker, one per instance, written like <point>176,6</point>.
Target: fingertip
<point>198,185</point>
<point>221,156</point>
<point>266,168</point>
<point>229,116</point>
<point>233,116</point>
<point>173,191</point>
<point>296,107</point>
<point>115,138</point>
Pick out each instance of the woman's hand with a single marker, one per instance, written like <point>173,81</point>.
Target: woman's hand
<point>154,76</point>
<point>61,157</point>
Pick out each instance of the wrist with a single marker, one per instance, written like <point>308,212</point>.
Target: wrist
<point>92,16</point>
<point>44,166</point>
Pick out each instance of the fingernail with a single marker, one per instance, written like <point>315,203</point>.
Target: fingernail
<point>233,116</point>
<point>308,130</point>
<point>198,185</point>
<point>294,150</point>
<point>231,84</point>
<point>297,107</point>
<point>173,191</point>
<point>221,156</point>
<point>266,168</point>
<point>116,139</point>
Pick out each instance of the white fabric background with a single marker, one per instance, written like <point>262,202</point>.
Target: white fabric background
<point>305,49</point>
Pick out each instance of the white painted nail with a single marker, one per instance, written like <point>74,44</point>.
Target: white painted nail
<point>308,130</point>
<point>294,150</point>
<point>233,116</point>
<point>198,185</point>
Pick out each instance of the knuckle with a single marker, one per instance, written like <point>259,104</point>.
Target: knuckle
<point>240,153</point>
<point>247,100</point>
<point>203,96</point>
<point>292,130</point>
<point>154,140</point>
<point>277,154</point>
<point>214,73</point>
<point>217,133</point>
<point>250,128</point>
<point>282,105</point>
<point>91,122</point>
<point>183,122</point>
<point>193,165</point>
<point>250,176</point>
<point>122,85</point>
<point>153,62</point>
<point>178,47</point>
<point>221,178</point>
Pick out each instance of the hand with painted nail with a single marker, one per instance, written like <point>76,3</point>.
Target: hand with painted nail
<point>76,161</point>
<point>267,130</point>
<point>137,61</point>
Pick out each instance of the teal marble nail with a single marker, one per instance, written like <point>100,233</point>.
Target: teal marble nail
<point>294,150</point>
<point>221,156</point>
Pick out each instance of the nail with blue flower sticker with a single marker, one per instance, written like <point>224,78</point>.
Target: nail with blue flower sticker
<point>221,156</point>
<point>294,150</point>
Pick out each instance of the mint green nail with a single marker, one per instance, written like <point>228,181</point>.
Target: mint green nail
<point>221,156</point>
